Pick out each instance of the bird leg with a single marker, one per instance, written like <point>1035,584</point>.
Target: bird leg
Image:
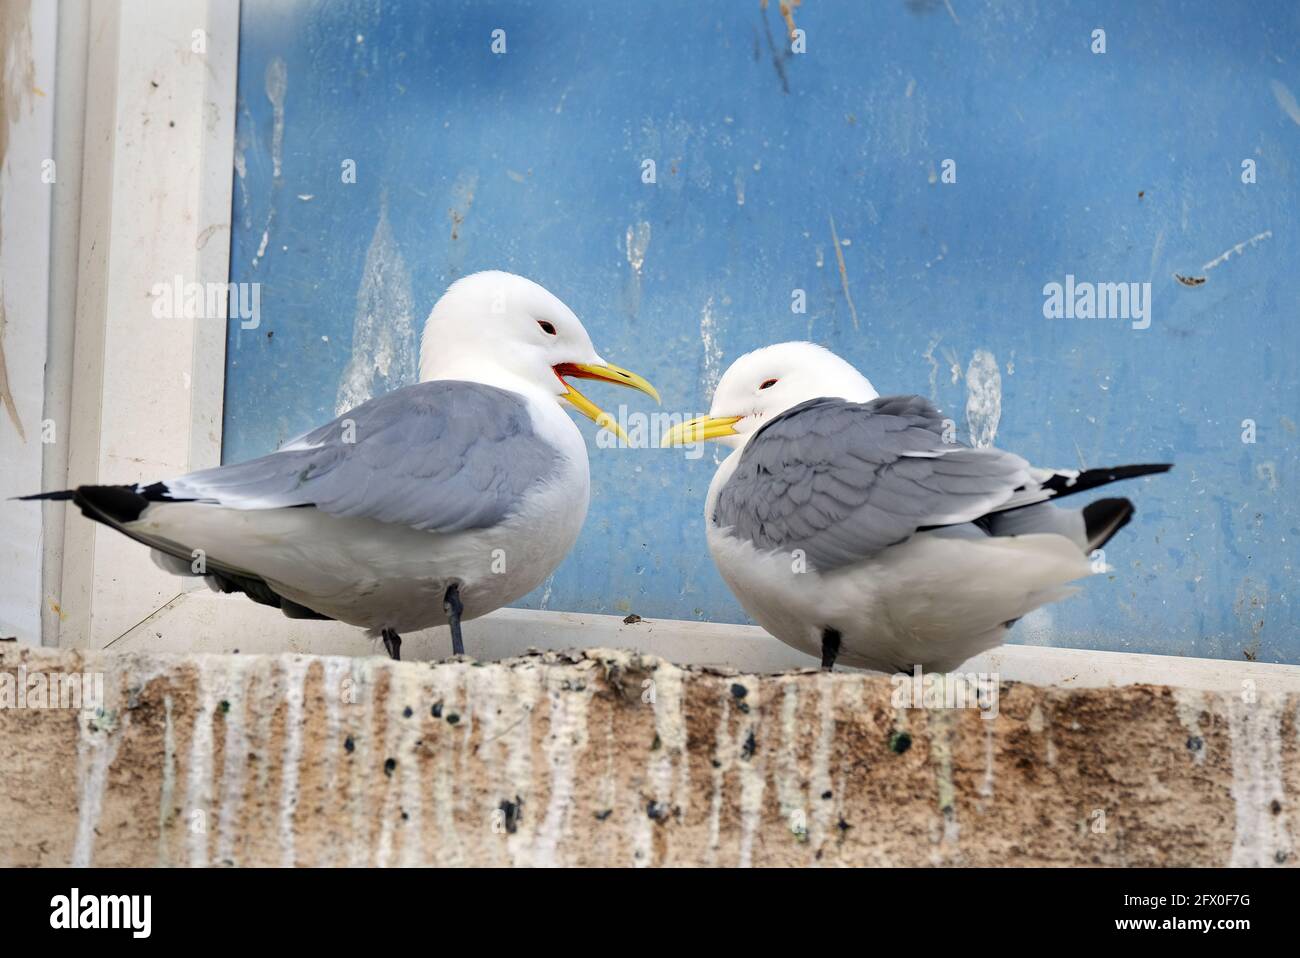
<point>392,644</point>
<point>830,648</point>
<point>451,605</point>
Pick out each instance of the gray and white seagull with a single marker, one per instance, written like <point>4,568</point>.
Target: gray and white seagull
<point>848,528</point>
<point>429,505</point>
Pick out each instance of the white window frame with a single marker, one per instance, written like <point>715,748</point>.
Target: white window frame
<point>147,394</point>
<point>28,183</point>
<point>157,123</point>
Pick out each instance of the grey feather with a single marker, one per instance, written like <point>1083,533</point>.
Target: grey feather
<point>1043,517</point>
<point>843,480</point>
<point>443,455</point>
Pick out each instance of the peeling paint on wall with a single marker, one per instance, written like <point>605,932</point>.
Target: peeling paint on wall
<point>983,398</point>
<point>1286,100</point>
<point>844,272</point>
<point>277,86</point>
<point>383,328</point>
<point>637,242</point>
<point>462,198</point>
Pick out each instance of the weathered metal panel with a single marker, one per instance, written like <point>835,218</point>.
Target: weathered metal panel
<point>823,172</point>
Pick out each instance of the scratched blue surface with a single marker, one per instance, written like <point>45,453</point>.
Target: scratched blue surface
<point>1115,167</point>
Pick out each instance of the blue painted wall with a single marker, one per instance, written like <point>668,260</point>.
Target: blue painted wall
<point>1115,167</point>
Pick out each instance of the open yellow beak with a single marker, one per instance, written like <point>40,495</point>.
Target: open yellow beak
<point>610,374</point>
<point>700,430</point>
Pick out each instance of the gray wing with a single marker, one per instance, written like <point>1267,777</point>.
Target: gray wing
<point>843,480</point>
<point>442,456</point>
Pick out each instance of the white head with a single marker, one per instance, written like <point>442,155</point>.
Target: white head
<point>504,330</point>
<point>765,383</point>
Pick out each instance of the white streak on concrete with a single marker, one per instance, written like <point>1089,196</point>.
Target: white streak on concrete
<point>1040,724</point>
<point>983,398</point>
<point>1255,729</point>
<point>234,750</point>
<point>403,801</point>
<point>295,678</point>
<point>565,744</point>
<point>448,842</point>
<point>167,796</point>
<point>337,670</point>
<point>198,792</point>
<point>819,828</point>
<point>722,752</point>
<point>99,736</point>
<point>990,735</point>
<point>791,797</point>
<point>522,690</point>
<point>670,731</point>
<point>360,765</point>
<point>752,778</point>
<point>1189,704</point>
<point>940,721</point>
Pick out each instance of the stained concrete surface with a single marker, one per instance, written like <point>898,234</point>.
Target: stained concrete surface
<point>612,758</point>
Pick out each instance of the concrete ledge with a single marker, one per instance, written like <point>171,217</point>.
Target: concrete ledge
<point>613,758</point>
<point>202,621</point>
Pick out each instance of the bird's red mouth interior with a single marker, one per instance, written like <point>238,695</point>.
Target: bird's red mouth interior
<point>572,369</point>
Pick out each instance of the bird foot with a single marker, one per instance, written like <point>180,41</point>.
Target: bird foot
<point>452,606</point>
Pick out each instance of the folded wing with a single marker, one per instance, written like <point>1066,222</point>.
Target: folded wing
<point>444,456</point>
<point>842,480</point>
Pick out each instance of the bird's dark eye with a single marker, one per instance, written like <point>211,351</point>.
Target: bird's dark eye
<point>547,328</point>
<point>770,382</point>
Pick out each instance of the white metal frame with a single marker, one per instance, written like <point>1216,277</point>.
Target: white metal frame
<point>147,394</point>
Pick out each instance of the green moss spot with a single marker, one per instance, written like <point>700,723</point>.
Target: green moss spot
<point>900,742</point>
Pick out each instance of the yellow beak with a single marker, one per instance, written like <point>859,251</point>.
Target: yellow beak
<point>610,374</point>
<point>700,430</point>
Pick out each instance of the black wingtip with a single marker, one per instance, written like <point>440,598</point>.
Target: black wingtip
<point>1063,484</point>
<point>1105,517</point>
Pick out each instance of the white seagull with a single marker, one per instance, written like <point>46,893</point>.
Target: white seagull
<point>429,505</point>
<point>848,528</point>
